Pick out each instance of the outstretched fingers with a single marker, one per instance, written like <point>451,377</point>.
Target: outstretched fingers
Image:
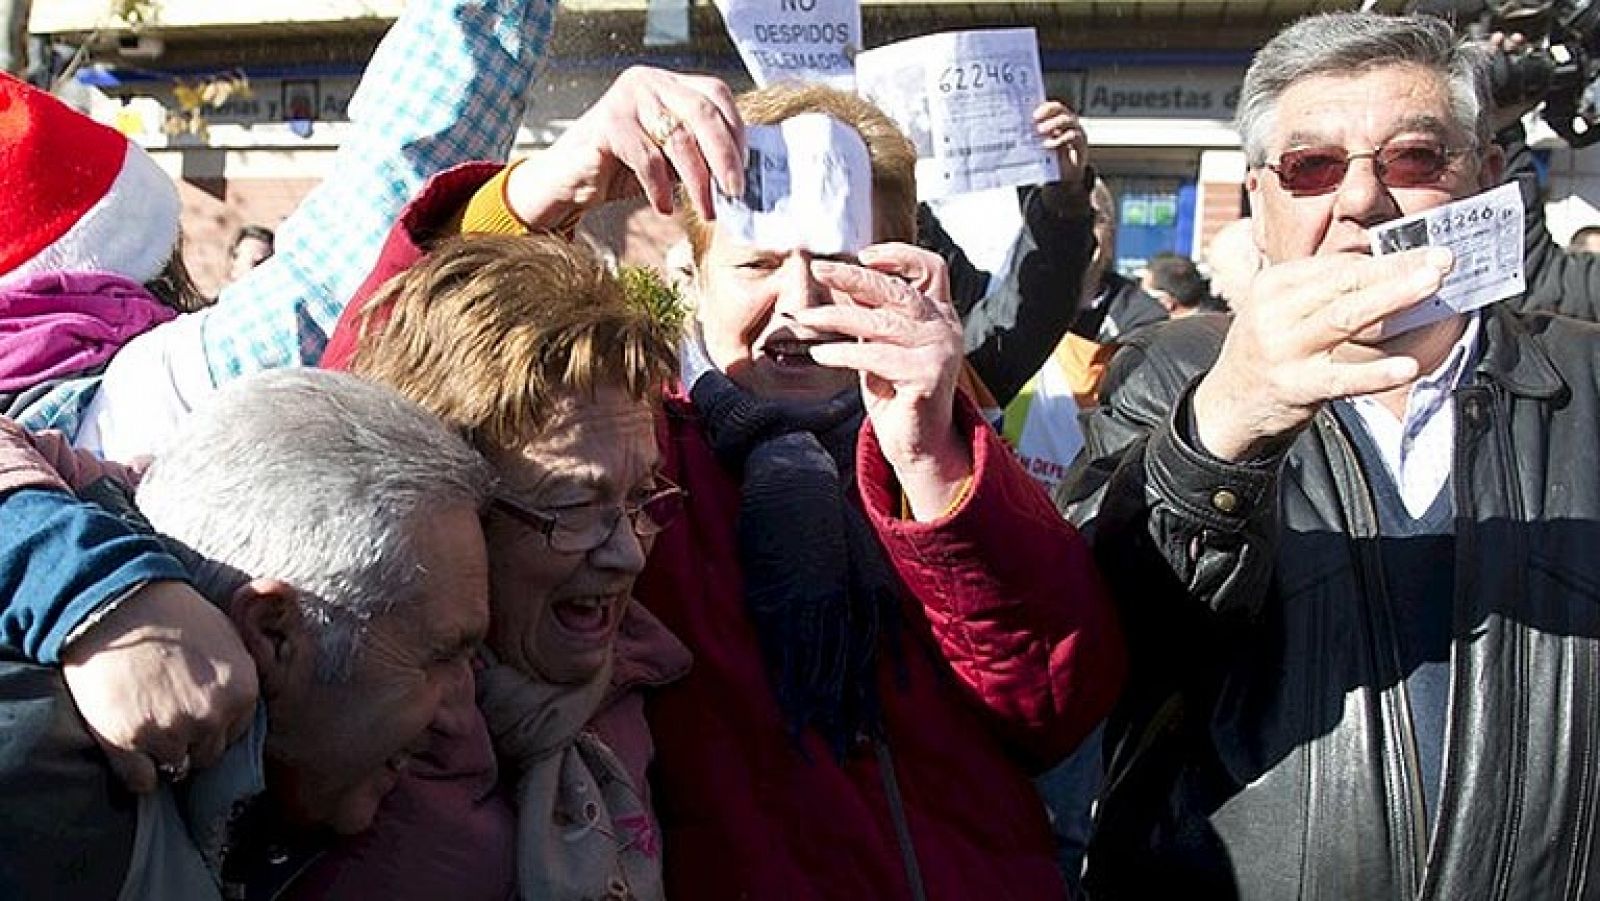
<point>1370,293</point>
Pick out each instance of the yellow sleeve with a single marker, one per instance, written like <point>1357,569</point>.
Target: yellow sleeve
<point>955,502</point>
<point>488,213</point>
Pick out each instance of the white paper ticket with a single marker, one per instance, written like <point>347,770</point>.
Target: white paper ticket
<point>796,40</point>
<point>807,183</point>
<point>966,99</point>
<point>1485,233</point>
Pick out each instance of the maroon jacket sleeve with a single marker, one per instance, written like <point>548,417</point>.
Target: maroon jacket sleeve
<point>422,221</point>
<point>1011,595</point>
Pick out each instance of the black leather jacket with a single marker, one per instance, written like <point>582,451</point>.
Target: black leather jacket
<point>1263,747</point>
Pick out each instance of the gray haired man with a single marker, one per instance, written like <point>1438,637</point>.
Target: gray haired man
<point>1356,568</point>
<point>336,525</point>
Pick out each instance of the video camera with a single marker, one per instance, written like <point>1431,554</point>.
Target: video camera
<point>1561,67</point>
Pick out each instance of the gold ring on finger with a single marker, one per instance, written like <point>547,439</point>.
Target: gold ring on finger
<point>660,130</point>
<point>174,772</point>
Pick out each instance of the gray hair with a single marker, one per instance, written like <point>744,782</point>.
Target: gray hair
<point>317,478</point>
<point>1353,43</point>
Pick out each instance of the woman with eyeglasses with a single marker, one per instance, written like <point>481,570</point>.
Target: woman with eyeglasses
<point>531,348</point>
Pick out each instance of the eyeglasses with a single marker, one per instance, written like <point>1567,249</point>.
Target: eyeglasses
<point>578,530</point>
<point>1415,163</point>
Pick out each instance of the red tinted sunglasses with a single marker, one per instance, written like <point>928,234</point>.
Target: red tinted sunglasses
<point>1398,164</point>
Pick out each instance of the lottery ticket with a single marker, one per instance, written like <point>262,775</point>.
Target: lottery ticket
<point>1485,233</point>
<point>966,99</point>
<point>808,183</point>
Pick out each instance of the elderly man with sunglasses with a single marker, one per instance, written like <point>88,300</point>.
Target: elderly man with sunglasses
<point>1355,565</point>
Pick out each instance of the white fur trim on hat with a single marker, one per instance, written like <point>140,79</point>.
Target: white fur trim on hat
<point>132,231</point>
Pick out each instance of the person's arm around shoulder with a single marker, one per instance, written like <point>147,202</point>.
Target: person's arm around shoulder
<point>157,672</point>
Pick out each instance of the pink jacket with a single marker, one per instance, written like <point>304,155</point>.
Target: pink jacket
<point>57,324</point>
<point>48,460</point>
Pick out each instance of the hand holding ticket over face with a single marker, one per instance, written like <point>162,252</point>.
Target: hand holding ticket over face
<point>808,183</point>
<point>1485,234</point>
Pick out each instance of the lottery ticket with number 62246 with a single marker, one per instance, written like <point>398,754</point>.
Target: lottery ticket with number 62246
<point>1485,233</point>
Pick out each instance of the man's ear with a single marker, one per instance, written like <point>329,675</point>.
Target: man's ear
<point>1493,167</point>
<point>1252,188</point>
<point>267,614</point>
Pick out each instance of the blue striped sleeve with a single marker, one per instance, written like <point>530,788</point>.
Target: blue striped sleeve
<point>61,560</point>
<point>448,84</point>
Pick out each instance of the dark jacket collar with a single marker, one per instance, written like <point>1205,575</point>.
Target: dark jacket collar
<point>1514,358</point>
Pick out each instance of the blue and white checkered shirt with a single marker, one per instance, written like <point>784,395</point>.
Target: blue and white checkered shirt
<point>448,84</point>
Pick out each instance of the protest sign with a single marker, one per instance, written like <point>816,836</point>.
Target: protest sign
<point>966,99</point>
<point>796,40</point>
<point>808,183</point>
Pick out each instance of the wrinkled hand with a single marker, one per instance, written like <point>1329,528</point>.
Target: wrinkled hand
<point>1285,354</point>
<point>896,304</point>
<point>651,129</point>
<point>162,679</point>
<point>1060,130</point>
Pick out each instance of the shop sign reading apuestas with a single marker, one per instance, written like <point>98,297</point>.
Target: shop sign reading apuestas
<point>1161,94</point>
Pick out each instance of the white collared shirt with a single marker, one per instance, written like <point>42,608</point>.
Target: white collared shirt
<point>1418,449</point>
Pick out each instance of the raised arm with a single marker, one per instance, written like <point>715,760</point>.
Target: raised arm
<point>1010,327</point>
<point>608,154</point>
<point>448,84</point>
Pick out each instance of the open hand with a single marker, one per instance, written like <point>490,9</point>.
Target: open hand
<point>651,130</point>
<point>1288,351</point>
<point>908,351</point>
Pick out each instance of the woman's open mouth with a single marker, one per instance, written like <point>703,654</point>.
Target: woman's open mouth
<point>589,616</point>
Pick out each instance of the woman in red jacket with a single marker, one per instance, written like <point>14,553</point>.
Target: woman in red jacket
<point>890,624</point>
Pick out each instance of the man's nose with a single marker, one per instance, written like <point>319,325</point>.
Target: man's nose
<point>1361,196</point>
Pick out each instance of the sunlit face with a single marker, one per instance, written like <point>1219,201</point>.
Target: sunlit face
<point>337,749</point>
<point>743,297</point>
<point>556,613</point>
<point>1359,113</point>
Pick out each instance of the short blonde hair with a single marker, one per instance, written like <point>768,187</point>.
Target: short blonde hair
<point>489,332</point>
<point>894,158</point>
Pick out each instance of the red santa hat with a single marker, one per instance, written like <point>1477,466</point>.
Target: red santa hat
<point>77,196</point>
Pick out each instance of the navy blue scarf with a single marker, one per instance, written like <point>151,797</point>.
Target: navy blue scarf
<point>817,587</point>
